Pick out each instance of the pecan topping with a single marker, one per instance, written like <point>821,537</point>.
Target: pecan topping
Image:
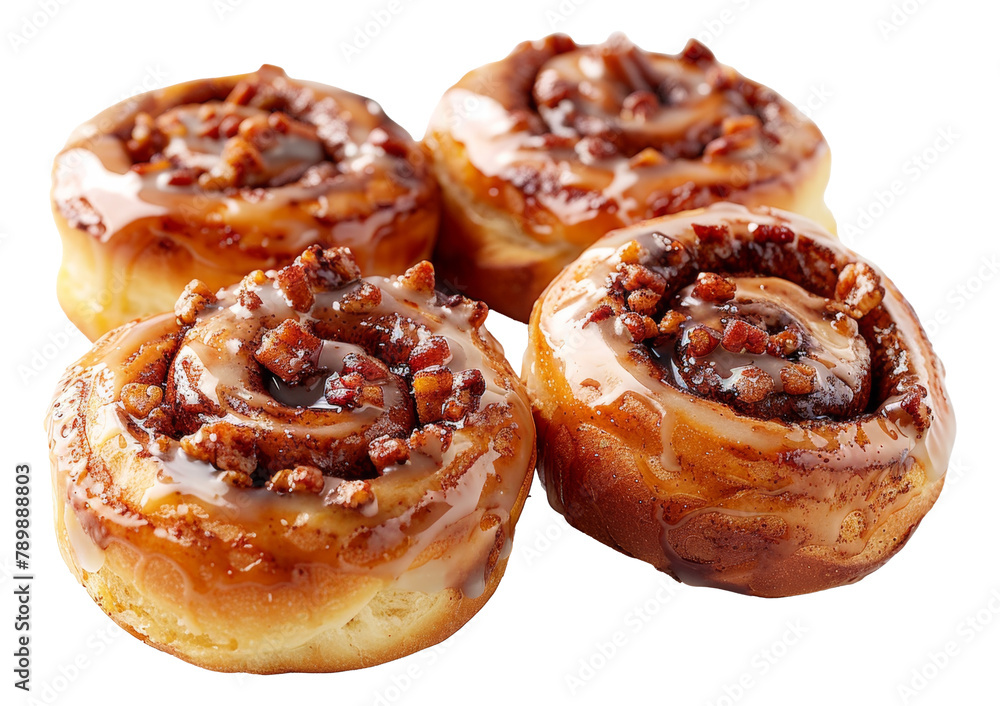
<point>701,341</point>
<point>226,446</point>
<point>295,286</point>
<point>859,288</point>
<point>783,344</point>
<point>764,233</point>
<point>328,269</point>
<point>290,352</point>
<point>639,327</point>
<point>431,387</point>
<point>671,322</point>
<point>386,451</point>
<point>753,384</point>
<point>354,494</point>
<point>419,278</point>
<point>362,300</point>
<point>467,389</point>
<point>195,297</point>
<point>798,379</point>
<point>641,277</point>
<point>301,479</point>
<point>643,301</point>
<point>429,352</point>
<point>740,336</point>
<point>639,105</point>
<point>711,287</point>
<point>711,233</point>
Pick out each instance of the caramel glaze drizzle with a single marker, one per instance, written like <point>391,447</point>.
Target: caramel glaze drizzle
<point>830,375</point>
<point>304,418</point>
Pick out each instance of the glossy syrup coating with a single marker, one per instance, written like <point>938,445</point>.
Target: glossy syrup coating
<point>217,177</point>
<point>545,151</point>
<point>309,471</point>
<point>739,400</point>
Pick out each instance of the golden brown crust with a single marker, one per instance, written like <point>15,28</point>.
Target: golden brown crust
<point>541,153</point>
<point>258,487</point>
<point>218,177</point>
<point>650,444</point>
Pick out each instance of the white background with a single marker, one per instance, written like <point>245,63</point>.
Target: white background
<point>906,94</point>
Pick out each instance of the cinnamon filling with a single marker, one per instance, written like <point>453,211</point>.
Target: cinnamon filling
<point>354,387</point>
<point>771,323</point>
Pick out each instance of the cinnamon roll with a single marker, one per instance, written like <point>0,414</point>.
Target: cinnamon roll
<point>543,152</point>
<point>309,471</point>
<point>736,398</point>
<point>212,179</point>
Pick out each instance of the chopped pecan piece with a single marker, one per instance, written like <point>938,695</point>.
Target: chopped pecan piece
<point>290,352</point>
<point>639,327</point>
<point>329,269</point>
<point>301,479</point>
<point>368,367</point>
<point>419,278</point>
<point>643,301</point>
<point>765,233</point>
<point>386,451</point>
<point>641,277</point>
<point>467,389</point>
<point>671,322</point>
<point>798,379</point>
<point>701,341</point>
<point>711,287</point>
<point>753,384</point>
<point>295,286</point>
<point>711,233</point>
<point>195,297</point>
<point>354,494</point>
<point>783,344</point>
<point>431,387</point>
<point>739,336</point>
<point>139,400</point>
<point>860,288</point>
<point>362,300</point>
<point>226,446</point>
<point>429,352</point>
<point>639,105</point>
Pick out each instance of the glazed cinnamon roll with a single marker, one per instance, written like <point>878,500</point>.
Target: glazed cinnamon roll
<point>543,152</point>
<point>309,471</point>
<point>737,399</point>
<point>214,178</point>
